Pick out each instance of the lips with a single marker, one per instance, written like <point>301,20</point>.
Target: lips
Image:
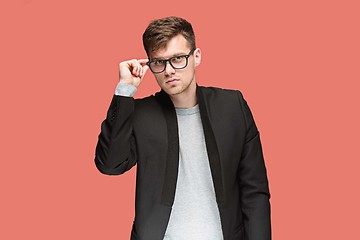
<point>172,80</point>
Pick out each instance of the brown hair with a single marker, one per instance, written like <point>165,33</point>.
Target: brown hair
<point>160,31</point>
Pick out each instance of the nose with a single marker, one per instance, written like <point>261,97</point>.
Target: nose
<point>169,70</point>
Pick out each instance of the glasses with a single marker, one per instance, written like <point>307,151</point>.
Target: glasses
<point>177,62</point>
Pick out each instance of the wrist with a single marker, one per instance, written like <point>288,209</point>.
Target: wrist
<point>125,89</point>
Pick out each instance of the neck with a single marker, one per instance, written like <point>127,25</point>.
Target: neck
<point>186,99</point>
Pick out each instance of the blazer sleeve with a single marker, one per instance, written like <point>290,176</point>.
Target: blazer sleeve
<point>116,149</point>
<point>254,190</point>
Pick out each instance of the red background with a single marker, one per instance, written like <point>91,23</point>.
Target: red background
<point>296,62</point>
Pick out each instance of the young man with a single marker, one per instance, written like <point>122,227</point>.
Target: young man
<point>200,167</point>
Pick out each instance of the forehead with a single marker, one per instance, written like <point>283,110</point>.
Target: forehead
<point>177,45</point>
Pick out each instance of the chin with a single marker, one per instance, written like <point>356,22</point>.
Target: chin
<point>173,90</point>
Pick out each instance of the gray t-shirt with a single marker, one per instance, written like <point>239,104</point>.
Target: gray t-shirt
<point>195,214</point>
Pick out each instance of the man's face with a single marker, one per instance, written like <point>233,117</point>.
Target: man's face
<point>176,81</point>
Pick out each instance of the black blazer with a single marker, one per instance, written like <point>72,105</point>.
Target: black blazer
<point>144,132</point>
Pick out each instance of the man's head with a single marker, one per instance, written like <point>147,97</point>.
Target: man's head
<point>170,46</point>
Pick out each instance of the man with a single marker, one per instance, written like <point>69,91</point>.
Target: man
<point>200,167</point>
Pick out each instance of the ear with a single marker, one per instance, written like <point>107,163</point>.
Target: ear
<point>197,57</point>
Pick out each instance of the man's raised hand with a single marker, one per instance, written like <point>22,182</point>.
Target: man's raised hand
<point>133,71</point>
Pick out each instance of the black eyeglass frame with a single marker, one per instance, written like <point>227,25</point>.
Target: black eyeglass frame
<point>169,60</point>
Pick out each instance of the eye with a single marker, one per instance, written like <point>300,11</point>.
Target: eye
<point>158,62</point>
<point>177,59</point>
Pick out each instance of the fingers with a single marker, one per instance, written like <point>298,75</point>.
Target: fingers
<point>141,70</point>
<point>143,61</point>
<point>144,66</point>
<point>133,71</point>
<point>136,67</point>
<point>144,70</point>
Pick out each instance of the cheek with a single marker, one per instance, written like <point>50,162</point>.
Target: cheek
<point>158,78</point>
<point>189,74</point>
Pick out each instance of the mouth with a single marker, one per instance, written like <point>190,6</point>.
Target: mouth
<point>171,80</point>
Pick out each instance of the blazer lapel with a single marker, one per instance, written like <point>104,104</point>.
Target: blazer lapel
<point>211,146</point>
<point>172,163</point>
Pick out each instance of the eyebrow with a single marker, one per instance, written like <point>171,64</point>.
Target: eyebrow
<point>175,55</point>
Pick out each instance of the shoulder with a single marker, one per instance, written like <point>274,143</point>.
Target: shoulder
<point>145,102</point>
<point>145,109</point>
<point>221,93</point>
